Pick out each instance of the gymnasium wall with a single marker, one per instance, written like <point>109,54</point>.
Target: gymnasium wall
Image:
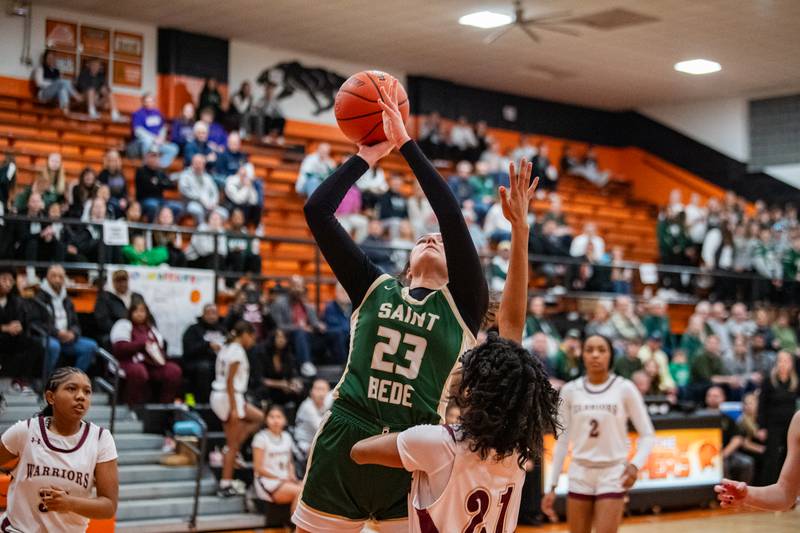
<point>11,39</point>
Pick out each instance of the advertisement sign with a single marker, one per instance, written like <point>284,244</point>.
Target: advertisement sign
<point>680,458</point>
<point>175,296</point>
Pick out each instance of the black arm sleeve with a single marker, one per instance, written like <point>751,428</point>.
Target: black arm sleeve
<point>467,283</point>
<point>351,266</point>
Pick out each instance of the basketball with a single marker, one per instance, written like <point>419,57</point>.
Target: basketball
<point>357,111</point>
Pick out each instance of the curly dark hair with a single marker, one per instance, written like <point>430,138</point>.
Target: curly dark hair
<point>506,400</point>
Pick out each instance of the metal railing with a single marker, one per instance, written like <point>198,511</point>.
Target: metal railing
<point>111,387</point>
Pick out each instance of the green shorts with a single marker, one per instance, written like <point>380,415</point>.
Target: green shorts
<point>335,485</point>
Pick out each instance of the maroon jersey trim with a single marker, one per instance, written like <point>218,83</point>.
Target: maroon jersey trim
<point>426,524</point>
<point>47,442</point>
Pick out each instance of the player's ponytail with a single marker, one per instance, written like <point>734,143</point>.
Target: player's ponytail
<point>56,379</point>
<point>240,328</point>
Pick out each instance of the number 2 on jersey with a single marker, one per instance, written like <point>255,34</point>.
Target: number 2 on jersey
<point>595,432</point>
<point>413,356</point>
<point>478,505</point>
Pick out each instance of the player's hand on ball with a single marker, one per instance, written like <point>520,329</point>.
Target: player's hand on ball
<point>731,494</point>
<point>58,501</point>
<point>376,152</point>
<point>393,125</point>
<point>548,506</point>
<point>629,476</point>
<point>516,200</point>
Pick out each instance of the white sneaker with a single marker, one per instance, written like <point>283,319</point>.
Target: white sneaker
<point>308,369</point>
<point>239,486</point>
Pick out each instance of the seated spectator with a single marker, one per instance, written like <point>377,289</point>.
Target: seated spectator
<point>556,214</point>
<point>151,182</point>
<point>680,371</point>
<point>393,206</point>
<point>547,242</point>
<point>241,191</point>
<point>656,387</point>
<point>112,305</point>
<point>525,149</point>
<point>621,275</point>
<point>112,176</point>
<point>273,370</point>
<point>642,381</point>
<point>493,164</point>
<point>217,136</point>
<point>748,427</point>
<point>199,191</point>
<point>88,239</point>
<point>81,192</point>
<point>693,337</point>
<point>586,168</point>
<point>142,353</point>
<point>463,140</point>
<point>420,213</point>
<point>137,252</point>
<point>205,250</point>
<point>240,109</point>
<point>484,188</point>
<point>315,167</point>
<point>767,264</point>
<point>537,322</point>
<point>627,325</point>
<point>54,313</point>
<point>544,168</point>
<point>372,186</point>
<point>568,362</point>
<point>696,219</point>
<point>268,116</point>
<point>461,183</point>
<point>50,86</point>
<point>349,215</point>
<point>210,97</point>
<point>231,160</point>
<point>715,323</point>
<point>243,249</point>
<point>479,239</point>
<point>41,187</point>
<point>601,321</point>
<point>171,240</point>
<point>93,86</point>
<point>294,315</point>
<point>630,362</point>
<point>274,476</point>
<point>182,131</point>
<point>484,141</point>
<point>402,244</point>
<point>736,465</point>
<point>150,131</point>
<point>672,237</point>
<point>785,337</point>
<point>310,415</point>
<point>200,145</point>
<point>376,246</point>
<point>39,241</point>
<point>708,369</point>
<point>657,319</point>
<point>337,325</point>
<point>498,269</point>
<point>739,362</point>
<point>496,226</point>
<point>777,404</point>
<point>250,306</point>
<point>20,353</point>
<point>56,177</point>
<point>651,351</point>
<point>202,341</point>
<point>432,139</point>
<point>538,348</point>
<point>580,242</point>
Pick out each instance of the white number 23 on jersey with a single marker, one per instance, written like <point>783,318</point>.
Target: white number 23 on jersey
<point>413,355</point>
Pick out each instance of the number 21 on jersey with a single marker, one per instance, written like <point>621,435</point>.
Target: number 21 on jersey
<point>388,391</point>
<point>477,505</point>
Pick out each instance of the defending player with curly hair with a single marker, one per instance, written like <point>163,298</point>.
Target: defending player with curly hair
<point>506,400</point>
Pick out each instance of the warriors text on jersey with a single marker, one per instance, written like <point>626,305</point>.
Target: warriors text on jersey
<point>49,460</point>
<point>453,489</point>
<point>402,353</point>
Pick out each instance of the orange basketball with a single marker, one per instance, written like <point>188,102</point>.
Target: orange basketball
<point>357,111</point>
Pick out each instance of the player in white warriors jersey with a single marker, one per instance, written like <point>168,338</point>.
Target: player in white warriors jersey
<point>594,413</point>
<point>62,458</point>
<point>468,477</point>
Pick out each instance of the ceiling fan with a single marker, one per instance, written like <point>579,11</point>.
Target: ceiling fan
<point>550,22</point>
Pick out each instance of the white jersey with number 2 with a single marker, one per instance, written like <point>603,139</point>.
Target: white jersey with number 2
<point>453,489</point>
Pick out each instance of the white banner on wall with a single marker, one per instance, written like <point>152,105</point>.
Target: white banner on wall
<point>175,296</point>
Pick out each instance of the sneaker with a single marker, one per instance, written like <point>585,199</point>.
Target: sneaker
<point>239,486</point>
<point>227,492</point>
<point>308,369</point>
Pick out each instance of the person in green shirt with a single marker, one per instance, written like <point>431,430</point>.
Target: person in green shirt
<point>708,369</point>
<point>137,253</point>
<point>568,362</point>
<point>629,363</point>
<point>679,369</point>
<point>784,334</point>
<point>657,319</point>
<point>537,322</point>
<point>693,337</point>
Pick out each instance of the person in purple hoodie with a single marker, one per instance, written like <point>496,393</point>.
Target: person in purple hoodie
<point>150,130</point>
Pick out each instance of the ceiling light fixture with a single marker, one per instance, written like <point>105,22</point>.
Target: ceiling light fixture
<point>698,66</point>
<point>485,19</point>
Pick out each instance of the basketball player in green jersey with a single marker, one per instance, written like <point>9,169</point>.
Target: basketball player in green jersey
<point>406,338</point>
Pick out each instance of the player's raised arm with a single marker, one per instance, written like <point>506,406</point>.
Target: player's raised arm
<point>515,202</point>
<point>466,280</point>
<point>778,497</point>
<point>349,263</point>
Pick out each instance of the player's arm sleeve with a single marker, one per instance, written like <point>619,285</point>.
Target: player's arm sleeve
<point>467,283</point>
<point>259,441</point>
<point>351,266</point>
<point>107,448</point>
<point>426,448</point>
<point>637,412</point>
<point>562,442</point>
<point>13,438</point>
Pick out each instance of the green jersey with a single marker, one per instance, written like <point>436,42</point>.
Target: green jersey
<point>402,354</point>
